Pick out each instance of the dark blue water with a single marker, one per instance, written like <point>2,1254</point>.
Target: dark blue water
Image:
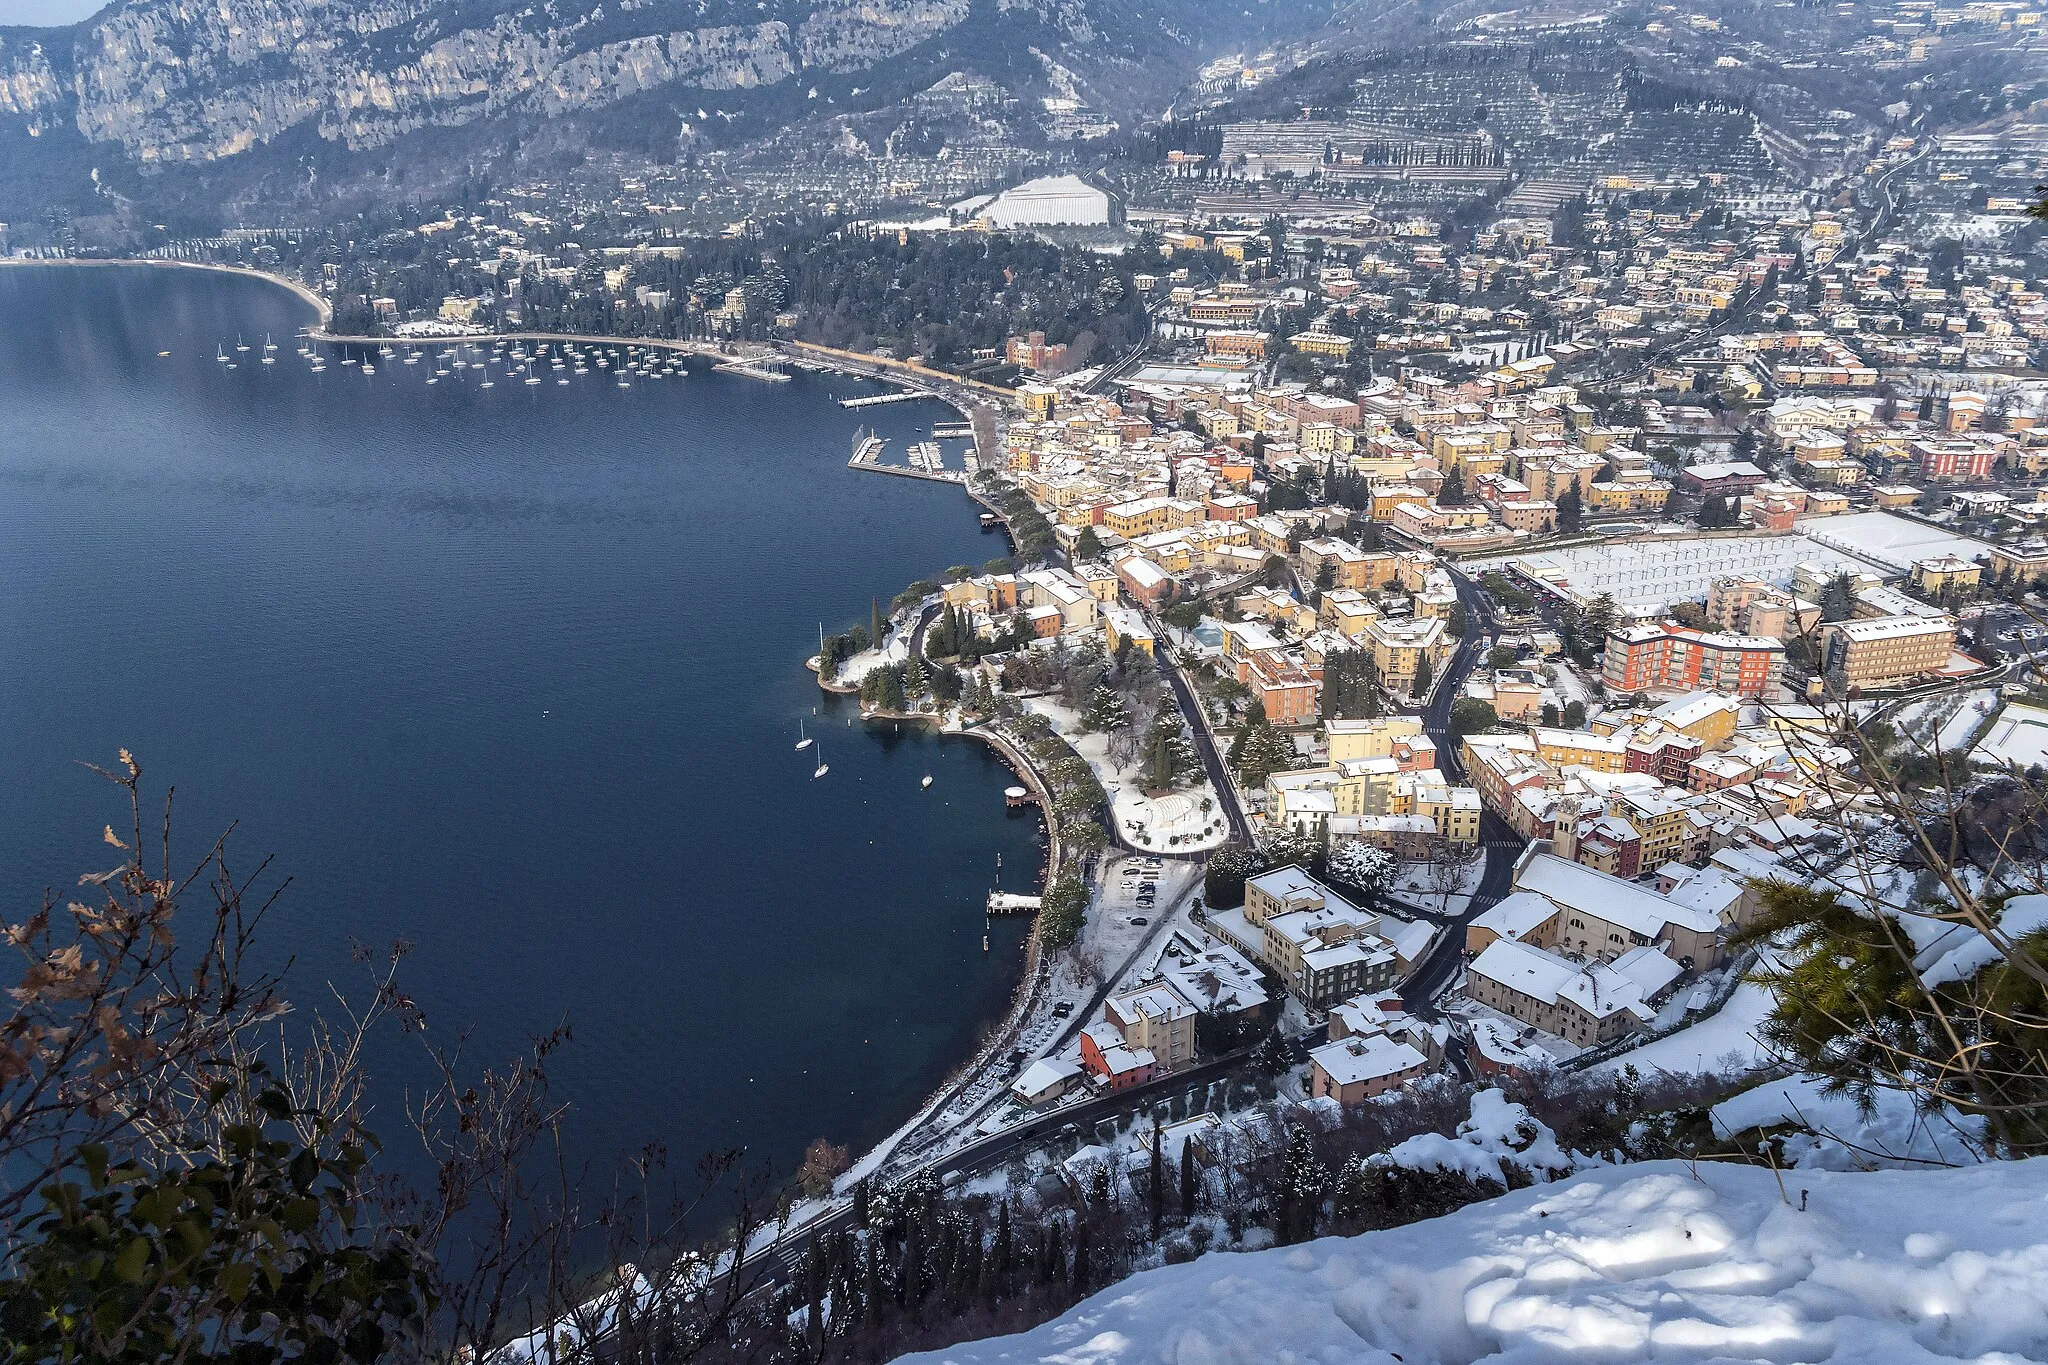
<point>514,675</point>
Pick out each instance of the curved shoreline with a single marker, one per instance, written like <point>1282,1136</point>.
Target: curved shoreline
<point>1024,989</point>
<point>320,306</point>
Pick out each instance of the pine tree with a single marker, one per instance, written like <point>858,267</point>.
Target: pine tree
<point>1302,1182</point>
<point>1187,1177</point>
<point>1055,1253</point>
<point>1425,674</point>
<point>1083,1247</point>
<point>860,1204</point>
<point>875,621</point>
<point>1162,766</point>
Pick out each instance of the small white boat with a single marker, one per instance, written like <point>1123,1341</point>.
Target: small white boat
<point>561,381</point>
<point>927,781</point>
<point>162,355</point>
<point>368,368</point>
<point>487,384</point>
<point>803,741</point>
<point>625,383</point>
<point>221,354</point>
<point>822,768</point>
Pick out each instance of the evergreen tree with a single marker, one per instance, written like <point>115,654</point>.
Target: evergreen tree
<point>875,621</point>
<point>1157,1190</point>
<point>1302,1182</point>
<point>871,1286</point>
<point>1571,511</point>
<point>860,1204</point>
<point>1084,1248</point>
<point>1055,1267</point>
<point>1187,1177</point>
<point>1003,1258</point>
<point>1425,674</point>
<point>1105,710</point>
<point>910,1280</point>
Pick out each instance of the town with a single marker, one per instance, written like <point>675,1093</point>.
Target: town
<point>1448,568</point>
<point>1479,525</point>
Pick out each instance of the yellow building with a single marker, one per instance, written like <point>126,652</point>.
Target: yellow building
<point>1040,400</point>
<point>1628,495</point>
<point>1322,343</point>
<point>1353,739</point>
<point>1598,752</point>
<point>1882,650</point>
<point>1948,573</point>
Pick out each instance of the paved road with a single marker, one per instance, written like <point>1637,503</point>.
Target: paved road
<point>1212,761</point>
<point>1499,843</point>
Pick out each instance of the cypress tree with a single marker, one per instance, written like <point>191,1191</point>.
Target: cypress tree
<point>875,621</point>
<point>1004,1251</point>
<point>1187,1177</point>
<point>871,1288</point>
<point>814,1285</point>
<point>860,1204</point>
<point>1082,1247</point>
<point>912,1281</point>
<point>1158,1184</point>
<point>1055,1253</point>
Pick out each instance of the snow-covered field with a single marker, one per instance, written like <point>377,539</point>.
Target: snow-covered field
<point>1724,1043</point>
<point>1651,574</point>
<point>1895,542</point>
<point>2019,736</point>
<point>1655,1262</point>
<point>1182,821</point>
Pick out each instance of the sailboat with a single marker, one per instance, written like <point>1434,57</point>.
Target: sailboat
<point>927,781</point>
<point>803,741</point>
<point>821,769</point>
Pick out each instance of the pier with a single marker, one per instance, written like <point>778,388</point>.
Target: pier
<point>751,370</point>
<point>877,399</point>
<point>1008,903</point>
<point>953,431</point>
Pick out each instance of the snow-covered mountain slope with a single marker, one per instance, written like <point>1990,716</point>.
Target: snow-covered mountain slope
<point>1652,1262</point>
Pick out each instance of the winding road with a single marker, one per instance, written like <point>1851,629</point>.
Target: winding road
<point>1499,843</point>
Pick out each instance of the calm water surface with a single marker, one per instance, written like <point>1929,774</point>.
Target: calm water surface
<point>512,674</point>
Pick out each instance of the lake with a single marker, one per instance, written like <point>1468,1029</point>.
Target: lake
<point>515,675</point>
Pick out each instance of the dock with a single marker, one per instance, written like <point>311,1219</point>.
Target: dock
<point>1007,903</point>
<point>953,431</point>
<point>751,370</point>
<point>877,399</point>
<point>924,457</point>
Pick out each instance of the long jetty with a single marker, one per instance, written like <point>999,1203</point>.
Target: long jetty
<point>877,399</point>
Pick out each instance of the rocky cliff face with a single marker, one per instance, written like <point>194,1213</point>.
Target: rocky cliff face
<point>176,81</point>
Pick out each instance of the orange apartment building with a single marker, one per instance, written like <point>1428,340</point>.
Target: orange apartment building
<point>1668,655</point>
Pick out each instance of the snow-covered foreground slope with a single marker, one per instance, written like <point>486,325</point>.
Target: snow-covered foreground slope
<point>1629,1263</point>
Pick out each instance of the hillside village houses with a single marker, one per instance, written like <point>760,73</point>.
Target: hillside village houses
<point>1585,956</point>
<point>1323,948</point>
